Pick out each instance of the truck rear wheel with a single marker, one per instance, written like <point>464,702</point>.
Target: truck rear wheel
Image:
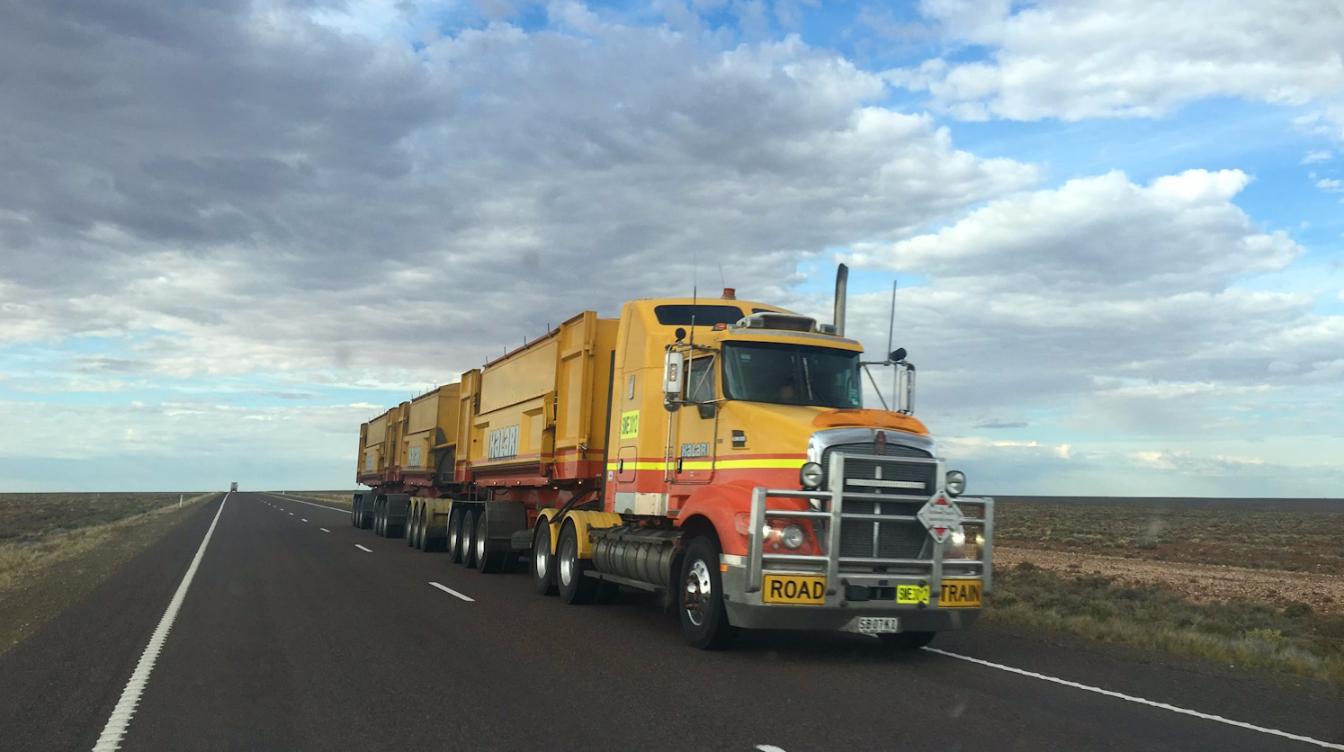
<point>907,640</point>
<point>574,586</point>
<point>704,620</point>
<point>378,518</point>
<point>543,561</point>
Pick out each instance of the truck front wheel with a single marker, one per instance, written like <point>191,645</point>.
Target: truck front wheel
<point>704,621</point>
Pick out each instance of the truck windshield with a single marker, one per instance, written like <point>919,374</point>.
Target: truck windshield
<point>791,375</point>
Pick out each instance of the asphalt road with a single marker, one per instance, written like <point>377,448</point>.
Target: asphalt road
<point>291,636</point>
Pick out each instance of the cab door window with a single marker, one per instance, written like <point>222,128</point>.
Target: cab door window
<point>700,384</point>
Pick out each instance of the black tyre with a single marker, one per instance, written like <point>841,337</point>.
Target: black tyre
<point>468,537</point>
<point>354,510</point>
<point>704,620</point>
<point>422,528</point>
<point>455,534</point>
<point>490,559</point>
<point>410,526</point>
<point>378,518</point>
<point>543,561</point>
<point>907,640</point>
<point>573,585</point>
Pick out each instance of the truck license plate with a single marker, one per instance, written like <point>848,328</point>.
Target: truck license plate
<point>960,594</point>
<point>797,589</point>
<point>879,624</point>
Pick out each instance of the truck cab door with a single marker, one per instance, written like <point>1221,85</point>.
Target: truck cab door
<point>695,426</point>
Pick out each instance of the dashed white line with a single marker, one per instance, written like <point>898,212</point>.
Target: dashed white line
<point>120,719</point>
<point>303,519</point>
<point>453,592</point>
<point>769,748</point>
<point>291,514</point>
<point>323,529</point>
<point>319,506</point>
<point>365,550</point>
<point>1141,701</point>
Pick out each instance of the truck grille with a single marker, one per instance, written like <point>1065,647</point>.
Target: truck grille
<point>886,539</point>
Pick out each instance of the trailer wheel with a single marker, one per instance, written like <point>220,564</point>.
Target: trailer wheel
<point>704,621</point>
<point>574,586</point>
<point>365,519</point>
<point>489,558</point>
<point>543,561</point>
<point>411,527</point>
<point>455,535</point>
<point>907,640</point>
<point>421,528</point>
<point>468,536</point>
<point>378,507</point>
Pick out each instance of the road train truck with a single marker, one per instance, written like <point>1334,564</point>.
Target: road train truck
<point>716,451</point>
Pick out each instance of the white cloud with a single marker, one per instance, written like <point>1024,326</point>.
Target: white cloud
<point>1073,59</point>
<point>1330,185</point>
<point>1312,157</point>
<point>1102,236</point>
<point>374,204</point>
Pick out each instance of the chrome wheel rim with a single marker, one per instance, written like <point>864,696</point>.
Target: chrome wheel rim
<point>697,592</point>
<point>566,562</point>
<point>539,557</point>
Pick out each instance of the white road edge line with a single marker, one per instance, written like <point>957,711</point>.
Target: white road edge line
<point>365,550</point>
<point>319,506</point>
<point>1141,701</point>
<point>451,591</point>
<point>323,529</point>
<point>120,719</point>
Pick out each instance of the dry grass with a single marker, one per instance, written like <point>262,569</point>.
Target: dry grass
<point>1289,637</point>
<point>1249,582</point>
<point>39,530</point>
<point>1289,535</point>
<point>56,548</point>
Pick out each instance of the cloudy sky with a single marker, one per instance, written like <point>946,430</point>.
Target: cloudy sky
<point>231,230</point>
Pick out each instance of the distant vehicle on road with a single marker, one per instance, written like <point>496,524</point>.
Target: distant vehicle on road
<point>717,451</point>
<point>233,486</point>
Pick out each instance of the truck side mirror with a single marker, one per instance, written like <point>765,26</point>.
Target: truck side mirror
<point>905,388</point>
<point>674,366</point>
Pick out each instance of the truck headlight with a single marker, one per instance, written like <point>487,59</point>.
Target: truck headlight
<point>956,482</point>
<point>791,537</point>
<point>810,475</point>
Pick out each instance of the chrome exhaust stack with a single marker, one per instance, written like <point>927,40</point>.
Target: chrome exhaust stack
<point>841,286</point>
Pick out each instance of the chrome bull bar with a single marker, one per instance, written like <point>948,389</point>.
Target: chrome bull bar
<point>832,499</point>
